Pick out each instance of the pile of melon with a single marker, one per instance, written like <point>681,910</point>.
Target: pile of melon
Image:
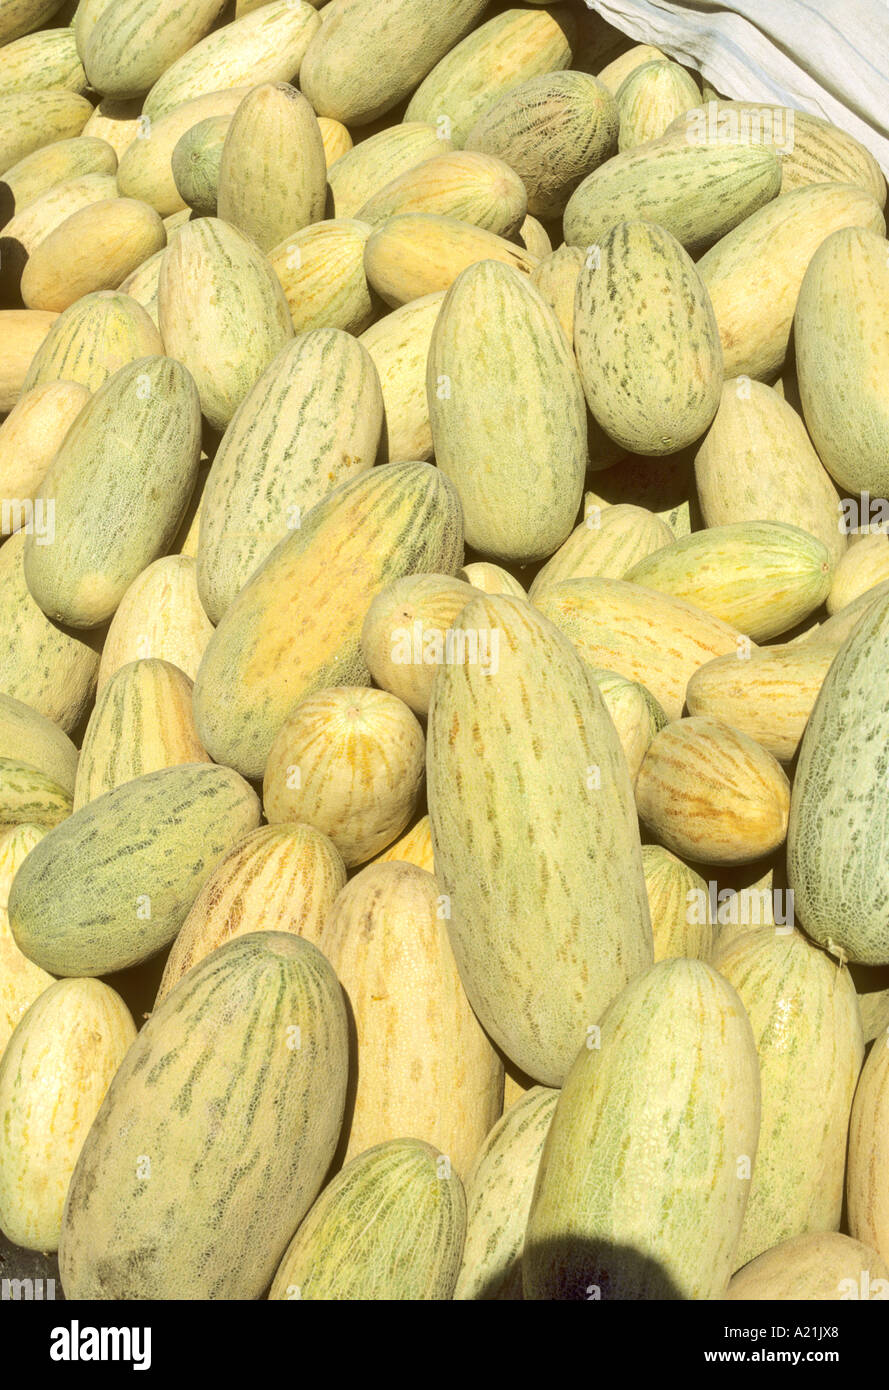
<point>444,624</point>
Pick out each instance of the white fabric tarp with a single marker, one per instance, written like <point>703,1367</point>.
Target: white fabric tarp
<point>828,57</point>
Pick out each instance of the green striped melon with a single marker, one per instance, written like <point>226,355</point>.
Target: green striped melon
<point>650,98</point>
<point>222,313</point>
<point>142,285</point>
<point>21,981</point>
<point>311,422</point>
<point>272,172</point>
<point>399,345</point>
<point>805,1020</point>
<point>277,878</point>
<point>365,59</point>
<point>19,17</point>
<point>30,797</point>
<point>141,722</point>
<point>30,438</point>
<point>841,338</point>
<point>822,1267</point>
<point>608,542</point>
<point>44,666</point>
<point>757,463</point>
<point>160,615</point>
<point>647,341</point>
<point>404,638</point>
<point>133,453</point>
<point>499,1189</point>
<point>760,576</point>
<point>92,340</point>
<point>417,253</point>
<point>362,171</point>
<point>472,187</point>
<point>45,59</point>
<point>36,740</point>
<point>507,414</point>
<point>254,1042</point>
<point>194,164</point>
<point>553,130</point>
<point>421,1062</point>
<point>619,68</point>
<point>133,42</point>
<point>389,1227</point>
<point>679,904</point>
<point>267,46</point>
<point>645,1171</point>
<point>296,626</point>
<point>556,279</point>
<point>146,167</point>
<point>54,164</point>
<point>30,120</point>
<point>54,1074</point>
<point>696,192</point>
<point>635,714</point>
<point>112,885</point>
<point>499,55</point>
<point>866,1189</point>
<point>755,272</point>
<point>558,894</point>
<point>321,269</point>
<point>835,863</point>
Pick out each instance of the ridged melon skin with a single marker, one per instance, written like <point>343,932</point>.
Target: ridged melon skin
<point>133,451</point>
<point>113,884</point>
<point>553,130</point>
<point>30,797</point>
<point>30,736</point>
<point>47,58</point>
<point>414,847</point>
<point>424,1066</point>
<point>95,248</point>
<point>696,192</point>
<point>20,17</point>
<point>640,1192</point>
<point>866,1187</point>
<point>399,345</point>
<point>273,172</point>
<point>155,1209</point>
<point>418,253</point>
<point>349,761</point>
<point>681,923</point>
<point>839,808</point>
<point>657,640</point>
<point>311,422</point>
<point>507,414</point>
<point>556,279</point>
<point>650,98</point>
<point>760,576</point>
<point>267,46</point>
<point>141,722</point>
<point>755,272</point>
<point>92,339</point>
<point>132,43</point>
<point>54,1074</point>
<point>805,1020</point>
<point>30,120</point>
<point>55,163</point>
<point>841,338</point>
<point>221,312</point>
<point>21,981</point>
<point>822,1267</point>
<point>864,566</point>
<point>473,187</point>
<point>51,669</point>
<point>711,794</point>
<point>403,638</point>
<point>561,895</point>
<point>296,625</point>
<point>364,59</point>
<point>321,270</point>
<point>31,435</point>
<point>362,171</point>
<point>647,341</point>
<point>607,543</point>
<point>160,615</point>
<point>499,1189</point>
<point>195,164</point>
<point>757,463</point>
<point>389,1227</point>
<point>146,167</point>
<point>277,878</point>
<point>497,56</point>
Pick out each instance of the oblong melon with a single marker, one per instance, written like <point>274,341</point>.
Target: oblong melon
<point>321,269</point>
<point>822,1267</point>
<point>92,339</point>
<point>21,981</point>
<point>161,616</point>
<point>132,43</point>
<point>27,734</point>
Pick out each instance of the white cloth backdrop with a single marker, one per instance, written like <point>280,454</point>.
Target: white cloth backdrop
<point>828,57</point>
